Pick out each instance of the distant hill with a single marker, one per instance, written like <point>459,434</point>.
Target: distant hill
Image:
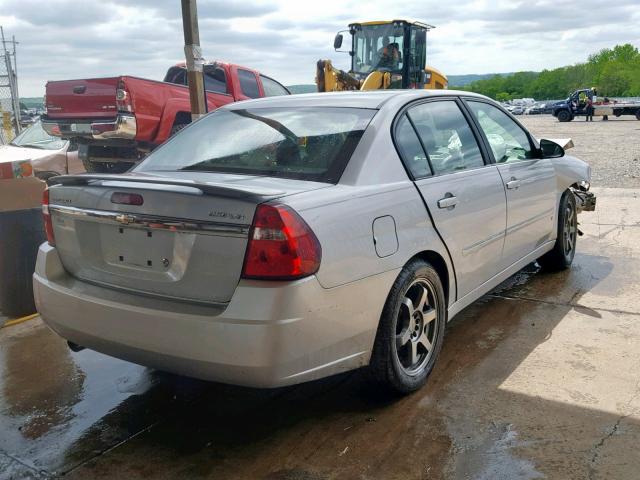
<point>310,88</point>
<point>463,80</point>
<point>454,81</point>
<point>32,102</point>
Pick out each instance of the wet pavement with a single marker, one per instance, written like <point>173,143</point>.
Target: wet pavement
<point>539,379</point>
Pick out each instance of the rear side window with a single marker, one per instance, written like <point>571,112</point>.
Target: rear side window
<point>248,83</point>
<point>176,75</point>
<point>411,150</point>
<point>307,143</point>
<point>272,88</point>
<point>214,79</point>
<point>447,136</point>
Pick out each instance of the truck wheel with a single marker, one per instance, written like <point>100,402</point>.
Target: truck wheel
<point>638,114</point>
<point>561,256</point>
<point>106,167</point>
<point>411,330</point>
<point>564,116</point>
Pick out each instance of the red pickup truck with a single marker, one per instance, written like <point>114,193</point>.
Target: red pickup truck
<point>118,120</point>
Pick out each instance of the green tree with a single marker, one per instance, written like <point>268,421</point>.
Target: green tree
<point>614,71</point>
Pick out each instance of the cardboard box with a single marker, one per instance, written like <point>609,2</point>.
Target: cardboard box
<point>20,193</point>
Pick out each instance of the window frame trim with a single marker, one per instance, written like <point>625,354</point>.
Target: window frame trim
<point>487,157</point>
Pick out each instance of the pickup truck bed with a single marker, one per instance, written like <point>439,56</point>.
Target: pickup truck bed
<point>117,121</point>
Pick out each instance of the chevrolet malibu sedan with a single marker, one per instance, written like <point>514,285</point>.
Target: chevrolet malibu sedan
<point>282,240</point>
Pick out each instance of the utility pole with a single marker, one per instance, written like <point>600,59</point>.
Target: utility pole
<point>193,55</point>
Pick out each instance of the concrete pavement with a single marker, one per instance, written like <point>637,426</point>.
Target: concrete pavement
<point>539,379</point>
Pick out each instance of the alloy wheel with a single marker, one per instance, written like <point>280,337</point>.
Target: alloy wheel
<point>570,230</point>
<point>417,327</point>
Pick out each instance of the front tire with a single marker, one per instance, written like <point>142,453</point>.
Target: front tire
<point>564,116</point>
<point>411,330</point>
<point>564,250</point>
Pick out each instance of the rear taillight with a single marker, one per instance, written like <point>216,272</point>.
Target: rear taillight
<point>281,246</point>
<point>123,99</point>
<point>48,225</point>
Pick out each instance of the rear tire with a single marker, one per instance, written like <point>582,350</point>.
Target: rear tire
<point>564,250</point>
<point>411,330</point>
<point>637,114</point>
<point>564,116</point>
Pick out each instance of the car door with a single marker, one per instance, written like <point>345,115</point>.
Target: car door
<point>464,195</point>
<point>530,181</point>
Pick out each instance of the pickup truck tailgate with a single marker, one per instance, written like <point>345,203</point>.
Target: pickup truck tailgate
<point>92,98</point>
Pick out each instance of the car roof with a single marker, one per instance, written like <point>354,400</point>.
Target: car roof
<point>354,99</point>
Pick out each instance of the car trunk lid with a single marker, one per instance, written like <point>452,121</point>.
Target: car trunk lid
<point>186,241</point>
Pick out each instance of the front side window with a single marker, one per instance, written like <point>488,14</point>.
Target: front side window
<point>509,143</point>
<point>272,88</point>
<point>307,143</point>
<point>447,136</point>
<point>248,83</point>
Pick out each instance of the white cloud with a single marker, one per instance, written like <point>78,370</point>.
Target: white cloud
<point>71,39</point>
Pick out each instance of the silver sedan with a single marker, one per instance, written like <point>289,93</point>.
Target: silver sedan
<point>286,239</point>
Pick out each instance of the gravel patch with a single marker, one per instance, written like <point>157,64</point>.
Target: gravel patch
<point>612,148</point>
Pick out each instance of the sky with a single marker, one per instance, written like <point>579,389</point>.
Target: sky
<point>65,39</point>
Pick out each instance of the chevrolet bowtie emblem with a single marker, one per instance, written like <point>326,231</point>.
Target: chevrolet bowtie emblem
<point>125,219</point>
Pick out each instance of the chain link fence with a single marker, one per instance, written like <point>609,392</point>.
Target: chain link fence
<point>9,102</point>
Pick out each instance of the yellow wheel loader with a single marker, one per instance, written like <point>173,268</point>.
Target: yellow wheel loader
<point>389,54</point>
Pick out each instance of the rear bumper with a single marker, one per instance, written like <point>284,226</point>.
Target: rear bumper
<point>271,333</point>
<point>123,126</point>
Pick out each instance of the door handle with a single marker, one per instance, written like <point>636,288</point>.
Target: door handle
<point>513,184</point>
<point>449,201</point>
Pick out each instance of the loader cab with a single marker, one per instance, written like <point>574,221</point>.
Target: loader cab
<point>398,47</point>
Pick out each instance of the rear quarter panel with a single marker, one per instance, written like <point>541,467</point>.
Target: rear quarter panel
<point>342,218</point>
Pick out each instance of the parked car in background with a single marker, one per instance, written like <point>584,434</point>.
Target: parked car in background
<point>117,121</point>
<point>286,239</point>
<point>27,118</point>
<point>49,156</point>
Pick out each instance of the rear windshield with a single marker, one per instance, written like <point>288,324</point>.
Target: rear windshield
<point>303,143</point>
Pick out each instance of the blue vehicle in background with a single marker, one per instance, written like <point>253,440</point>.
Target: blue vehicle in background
<point>576,105</point>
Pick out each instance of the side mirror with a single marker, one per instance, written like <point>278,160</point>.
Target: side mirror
<point>337,42</point>
<point>551,149</point>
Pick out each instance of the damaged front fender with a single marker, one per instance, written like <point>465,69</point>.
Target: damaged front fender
<point>575,174</point>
